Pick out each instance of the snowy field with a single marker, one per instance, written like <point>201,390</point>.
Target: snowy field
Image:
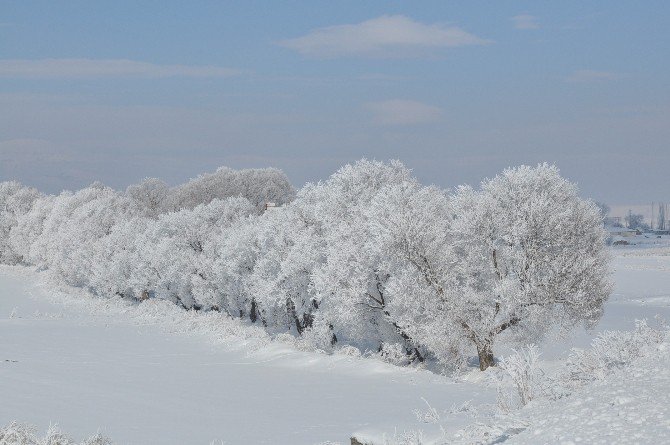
<point>139,386</point>
<point>130,373</point>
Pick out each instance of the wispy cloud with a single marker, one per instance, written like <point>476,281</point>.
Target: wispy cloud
<point>403,112</point>
<point>380,37</point>
<point>90,68</point>
<point>525,21</point>
<point>592,76</point>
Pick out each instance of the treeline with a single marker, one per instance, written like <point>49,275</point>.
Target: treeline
<point>369,257</point>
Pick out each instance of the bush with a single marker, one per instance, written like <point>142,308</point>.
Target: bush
<point>23,434</point>
<point>610,351</point>
<point>394,353</point>
<point>522,369</point>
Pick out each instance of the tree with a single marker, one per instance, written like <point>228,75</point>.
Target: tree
<point>662,221</point>
<point>531,255</point>
<point>15,201</point>
<point>257,185</point>
<point>351,282</point>
<point>175,246</point>
<point>636,221</point>
<point>289,248</point>
<point>409,226</point>
<point>151,195</point>
<point>119,268</point>
<point>368,257</point>
<point>603,208</point>
<point>75,223</point>
<point>28,229</point>
<point>234,254</point>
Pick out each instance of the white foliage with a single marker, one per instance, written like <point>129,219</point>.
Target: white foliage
<point>611,351</point>
<point>151,195</point>
<point>350,351</point>
<point>523,371</point>
<point>23,434</point>
<point>351,280</point>
<point>75,222</point>
<point>29,226</point>
<point>15,201</point>
<point>369,257</point>
<point>18,434</point>
<point>177,243</point>
<point>259,186</point>
<point>430,415</point>
<point>281,279</point>
<point>410,437</point>
<point>531,254</point>
<point>394,353</point>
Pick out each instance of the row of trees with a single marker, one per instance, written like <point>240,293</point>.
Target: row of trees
<point>369,257</point>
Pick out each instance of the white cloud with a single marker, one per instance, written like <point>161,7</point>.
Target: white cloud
<point>403,112</point>
<point>525,21</point>
<point>87,68</point>
<point>382,37</point>
<point>592,76</point>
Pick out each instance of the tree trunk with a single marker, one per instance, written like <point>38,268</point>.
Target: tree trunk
<point>253,315</point>
<point>409,343</point>
<point>290,310</point>
<point>485,356</point>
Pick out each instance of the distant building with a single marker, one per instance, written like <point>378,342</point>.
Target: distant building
<point>270,205</point>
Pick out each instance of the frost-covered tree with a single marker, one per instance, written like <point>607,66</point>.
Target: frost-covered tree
<point>604,209</point>
<point>351,283</point>
<point>234,255</point>
<point>259,186</point>
<point>15,201</point>
<point>264,185</point>
<point>368,257</point>
<point>289,248</point>
<point>409,225</point>
<point>29,226</point>
<point>175,244</point>
<point>531,255</point>
<point>120,266</point>
<point>636,221</point>
<point>151,195</point>
<point>76,222</point>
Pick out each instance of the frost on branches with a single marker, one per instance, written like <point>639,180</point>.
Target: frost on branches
<point>529,253</point>
<point>369,258</point>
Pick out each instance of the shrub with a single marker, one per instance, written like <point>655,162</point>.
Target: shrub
<point>610,351</point>
<point>23,434</point>
<point>522,369</point>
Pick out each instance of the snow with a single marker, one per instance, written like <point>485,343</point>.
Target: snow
<point>90,364</point>
<point>631,407</point>
<point>153,373</point>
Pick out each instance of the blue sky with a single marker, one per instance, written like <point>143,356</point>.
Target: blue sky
<point>118,91</point>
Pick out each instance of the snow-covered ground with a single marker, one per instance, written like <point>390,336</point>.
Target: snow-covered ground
<point>630,407</point>
<point>86,366</point>
<point>155,374</point>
